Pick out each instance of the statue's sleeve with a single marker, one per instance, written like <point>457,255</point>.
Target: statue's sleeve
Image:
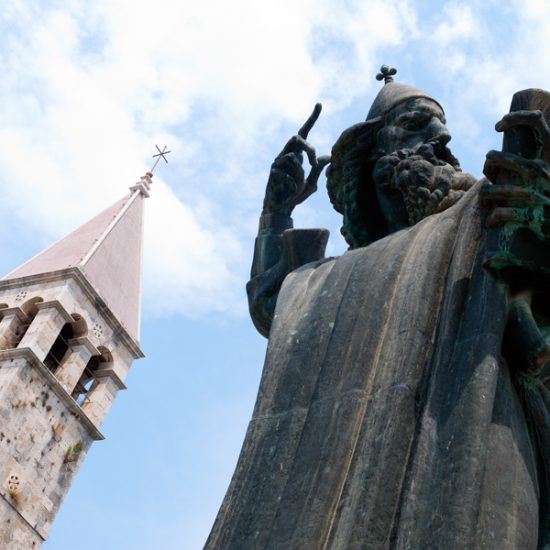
<point>278,250</point>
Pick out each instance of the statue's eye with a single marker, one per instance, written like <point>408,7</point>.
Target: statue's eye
<point>413,124</point>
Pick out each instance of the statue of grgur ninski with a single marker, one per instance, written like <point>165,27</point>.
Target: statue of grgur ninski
<point>404,401</point>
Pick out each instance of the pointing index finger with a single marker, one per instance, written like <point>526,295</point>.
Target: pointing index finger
<point>308,125</point>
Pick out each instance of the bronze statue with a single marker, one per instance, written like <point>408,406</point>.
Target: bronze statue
<point>405,399</point>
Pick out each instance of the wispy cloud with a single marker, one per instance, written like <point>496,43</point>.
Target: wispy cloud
<point>458,24</point>
<point>483,52</point>
<point>88,88</point>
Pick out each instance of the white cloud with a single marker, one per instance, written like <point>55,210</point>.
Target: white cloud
<point>484,52</point>
<point>191,267</point>
<point>346,43</point>
<point>89,87</point>
<point>458,24</point>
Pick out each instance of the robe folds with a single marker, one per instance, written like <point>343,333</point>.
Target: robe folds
<point>386,417</point>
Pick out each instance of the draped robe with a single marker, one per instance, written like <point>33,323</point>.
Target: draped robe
<point>386,416</point>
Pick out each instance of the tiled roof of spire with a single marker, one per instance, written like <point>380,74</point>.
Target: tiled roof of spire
<point>107,249</point>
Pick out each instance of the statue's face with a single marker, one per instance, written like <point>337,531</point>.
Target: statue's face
<point>412,123</point>
<point>414,128</point>
<point>408,172</point>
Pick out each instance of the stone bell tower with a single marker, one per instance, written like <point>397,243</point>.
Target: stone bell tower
<point>69,331</point>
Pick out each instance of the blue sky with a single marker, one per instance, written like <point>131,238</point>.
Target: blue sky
<point>88,88</point>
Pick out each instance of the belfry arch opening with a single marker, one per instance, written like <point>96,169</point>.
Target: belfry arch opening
<point>79,326</point>
<point>60,348</point>
<point>88,379</point>
<point>29,308</point>
<point>18,327</point>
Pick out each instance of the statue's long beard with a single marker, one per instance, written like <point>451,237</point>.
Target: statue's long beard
<point>428,178</point>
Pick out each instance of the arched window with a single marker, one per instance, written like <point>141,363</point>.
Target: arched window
<point>58,352</point>
<point>16,329</point>
<point>86,383</point>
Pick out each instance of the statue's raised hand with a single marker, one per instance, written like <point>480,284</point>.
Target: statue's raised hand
<point>287,185</point>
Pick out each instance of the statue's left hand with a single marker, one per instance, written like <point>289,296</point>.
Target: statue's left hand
<point>520,174</point>
<point>507,203</point>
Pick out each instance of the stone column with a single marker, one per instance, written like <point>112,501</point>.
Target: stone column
<point>45,328</point>
<point>101,397</point>
<point>13,318</point>
<point>76,359</point>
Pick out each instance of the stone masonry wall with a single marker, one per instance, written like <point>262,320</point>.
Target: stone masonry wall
<point>42,438</point>
<point>42,444</point>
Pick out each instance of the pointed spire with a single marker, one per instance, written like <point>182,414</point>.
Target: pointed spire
<point>107,250</point>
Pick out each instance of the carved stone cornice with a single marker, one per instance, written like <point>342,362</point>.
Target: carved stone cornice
<point>103,309</point>
<point>17,311</point>
<point>57,305</point>
<point>83,341</point>
<point>110,373</point>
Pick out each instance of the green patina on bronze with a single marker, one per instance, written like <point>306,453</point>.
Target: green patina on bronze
<point>524,164</point>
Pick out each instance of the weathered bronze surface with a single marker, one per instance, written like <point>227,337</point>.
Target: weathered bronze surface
<point>405,398</point>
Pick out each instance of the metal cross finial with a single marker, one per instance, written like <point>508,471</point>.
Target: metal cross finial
<point>386,73</point>
<point>158,156</point>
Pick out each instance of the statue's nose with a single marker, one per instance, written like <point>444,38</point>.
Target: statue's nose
<point>440,131</point>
